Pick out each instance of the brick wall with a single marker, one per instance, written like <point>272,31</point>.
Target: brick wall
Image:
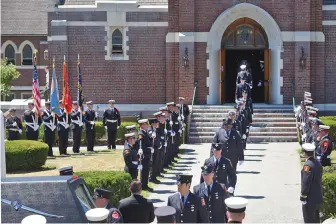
<point>288,72</point>
<point>146,17</point>
<point>330,61</point>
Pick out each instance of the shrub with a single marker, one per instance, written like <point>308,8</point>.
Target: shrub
<point>329,194</point>
<point>116,181</point>
<point>25,155</point>
<point>330,121</point>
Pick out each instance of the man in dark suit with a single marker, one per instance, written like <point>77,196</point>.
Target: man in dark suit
<point>236,207</point>
<point>189,207</point>
<point>311,186</point>
<point>214,195</point>
<point>224,173</point>
<point>136,209</point>
<point>111,122</point>
<point>89,118</point>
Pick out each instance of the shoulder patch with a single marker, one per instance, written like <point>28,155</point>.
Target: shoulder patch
<point>306,168</point>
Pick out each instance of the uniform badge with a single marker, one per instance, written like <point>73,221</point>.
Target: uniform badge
<point>203,202</point>
<point>223,166</point>
<point>306,168</point>
<point>234,137</point>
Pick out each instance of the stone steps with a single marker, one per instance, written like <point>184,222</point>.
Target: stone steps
<point>252,133</point>
<point>255,124</point>
<point>255,110</point>
<point>255,115</point>
<point>251,139</point>
<point>252,129</point>
<point>255,119</point>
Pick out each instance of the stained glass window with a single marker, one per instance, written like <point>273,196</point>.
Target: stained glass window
<point>244,35</point>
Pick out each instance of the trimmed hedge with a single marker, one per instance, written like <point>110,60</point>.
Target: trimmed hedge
<point>329,192</point>
<point>116,181</point>
<point>25,155</point>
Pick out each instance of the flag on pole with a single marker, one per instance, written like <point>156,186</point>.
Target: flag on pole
<point>54,100</point>
<point>66,101</point>
<point>36,89</point>
<point>80,97</point>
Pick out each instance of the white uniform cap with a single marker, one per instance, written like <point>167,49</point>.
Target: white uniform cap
<point>243,66</point>
<point>131,126</point>
<point>308,98</point>
<point>130,135</point>
<point>157,113</point>
<point>308,147</point>
<point>170,104</point>
<point>30,102</point>
<point>111,101</point>
<point>308,101</point>
<point>312,108</point>
<point>236,204</point>
<point>97,214</point>
<point>329,221</point>
<point>309,93</point>
<point>181,98</point>
<point>142,121</point>
<point>34,219</point>
<point>232,112</point>
<point>311,111</point>
<point>324,127</point>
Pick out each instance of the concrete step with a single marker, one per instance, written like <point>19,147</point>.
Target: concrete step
<point>251,139</point>
<point>255,105</point>
<point>255,133</point>
<point>257,119</point>
<point>252,129</point>
<point>255,115</point>
<point>255,110</point>
<point>255,124</point>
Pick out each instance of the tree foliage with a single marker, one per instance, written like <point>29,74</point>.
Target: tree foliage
<point>8,74</point>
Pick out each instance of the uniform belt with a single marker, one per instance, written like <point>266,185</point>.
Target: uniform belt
<point>51,126</point>
<point>111,121</point>
<point>319,157</point>
<point>32,125</point>
<point>64,124</point>
<point>135,162</point>
<point>162,137</point>
<point>177,122</point>
<point>77,122</point>
<point>13,129</point>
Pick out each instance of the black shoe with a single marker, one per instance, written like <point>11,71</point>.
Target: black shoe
<point>146,188</point>
<point>108,147</point>
<point>155,181</point>
<point>113,147</point>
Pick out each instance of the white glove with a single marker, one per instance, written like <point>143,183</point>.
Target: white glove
<point>96,114</point>
<point>171,123</point>
<point>105,127</point>
<point>247,130</point>
<point>240,163</point>
<point>92,122</point>
<point>20,131</point>
<point>66,126</point>
<point>139,167</point>
<point>304,136</point>
<point>180,131</point>
<point>183,129</point>
<point>165,145</point>
<point>140,152</point>
<point>152,149</point>
<point>231,190</point>
<point>36,127</point>
<point>179,118</point>
<point>173,133</point>
<point>80,124</point>
<point>304,202</point>
<point>154,135</point>
<point>165,131</point>
<point>244,136</point>
<point>314,143</point>
<point>14,124</point>
<point>118,127</point>
<point>303,124</point>
<point>182,117</point>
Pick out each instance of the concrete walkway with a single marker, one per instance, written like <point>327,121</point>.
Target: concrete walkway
<point>269,179</point>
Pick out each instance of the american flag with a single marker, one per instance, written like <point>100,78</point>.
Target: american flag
<point>36,91</point>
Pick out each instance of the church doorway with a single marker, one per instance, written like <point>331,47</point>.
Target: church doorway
<point>244,40</point>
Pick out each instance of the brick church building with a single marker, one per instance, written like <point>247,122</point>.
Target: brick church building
<point>153,51</point>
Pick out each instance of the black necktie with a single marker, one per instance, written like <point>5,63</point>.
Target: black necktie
<point>182,199</point>
<point>209,191</point>
<point>217,163</point>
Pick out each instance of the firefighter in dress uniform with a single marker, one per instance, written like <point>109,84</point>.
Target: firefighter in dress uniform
<point>214,195</point>
<point>161,135</point>
<point>189,207</point>
<point>184,110</point>
<point>130,156</point>
<point>90,130</point>
<point>174,127</point>
<point>243,87</point>
<point>33,122</point>
<point>77,126</point>
<point>236,207</point>
<point>156,144</point>
<point>63,124</point>
<point>168,136</point>
<point>311,186</point>
<point>236,124</point>
<point>111,122</point>
<point>224,172</point>
<point>324,147</point>
<point>50,124</point>
<point>13,125</point>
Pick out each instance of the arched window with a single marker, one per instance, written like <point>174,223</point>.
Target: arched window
<point>27,55</point>
<point>117,39</point>
<point>10,54</point>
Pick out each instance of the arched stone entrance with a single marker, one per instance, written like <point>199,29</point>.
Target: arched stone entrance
<point>272,30</point>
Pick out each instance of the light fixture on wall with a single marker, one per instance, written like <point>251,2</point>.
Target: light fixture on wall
<point>45,54</point>
<point>302,60</point>
<point>185,59</point>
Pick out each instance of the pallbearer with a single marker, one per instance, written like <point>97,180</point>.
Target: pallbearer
<point>111,122</point>
<point>50,123</point>
<point>63,124</point>
<point>77,126</point>
<point>130,156</point>
<point>33,122</point>
<point>90,129</point>
<point>13,125</point>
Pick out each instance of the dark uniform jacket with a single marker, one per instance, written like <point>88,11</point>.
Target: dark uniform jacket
<point>249,104</point>
<point>220,137</point>
<point>156,140</point>
<point>248,115</point>
<point>246,74</point>
<point>111,118</point>
<point>76,119</point>
<point>161,133</point>
<point>214,202</point>
<point>145,140</point>
<point>224,172</point>
<point>233,148</point>
<point>242,119</point>
<point>311,182</point>
<point>13,132</point>
<point>29,117</point>
<point>131,158</point>
<point>136,209</point>
<point>185,111</point>
<point>90,115</point>
<point>62,121</point>
<point>323,150</point>
<point>241,88</point>
<point>237,125</point>
<point>193,211</point>
<point>48,120</point>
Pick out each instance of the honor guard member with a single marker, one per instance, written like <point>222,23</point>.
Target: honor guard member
<point>232,148</point>
<point>178,128</point>
<point>174,125</point>
<point>136,208</point>
<point>165,214</point>
<point>156,144</point>
<point>163,137</point>
<point>169,136</point>
<point>184,110</point>
<point>249,103</point>
<point>236,207</point>
<point>131,129</point>
<point>189,207</point>
<point>63,124</point>
<point>244,74</point>
<point>102,200</point>
<point>313,132</point>
<point>311,186</point>
<point>33,122</point>
<point>77,125</point>
<point>325,146</point>
<point>213,194</point>
<point>97,215</point>
<point>145,148</point>
<point>224,173</point>
<point>130,156</point>
<point>90,130</point>
<point>242,87</point>
<point>50,122</point>
<point>34,219</point>
<point>111,122</point>
<point>236,124</point>
<point>13,125</point>
<point>241,117</point>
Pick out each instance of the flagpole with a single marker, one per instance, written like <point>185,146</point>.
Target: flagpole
<point>79,97</point>
<point>54,117</point>
<point>37,113</point>
<point>67,115</point>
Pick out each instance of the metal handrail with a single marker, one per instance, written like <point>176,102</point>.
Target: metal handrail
<point>191,110</point>
<point>293,94</point>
